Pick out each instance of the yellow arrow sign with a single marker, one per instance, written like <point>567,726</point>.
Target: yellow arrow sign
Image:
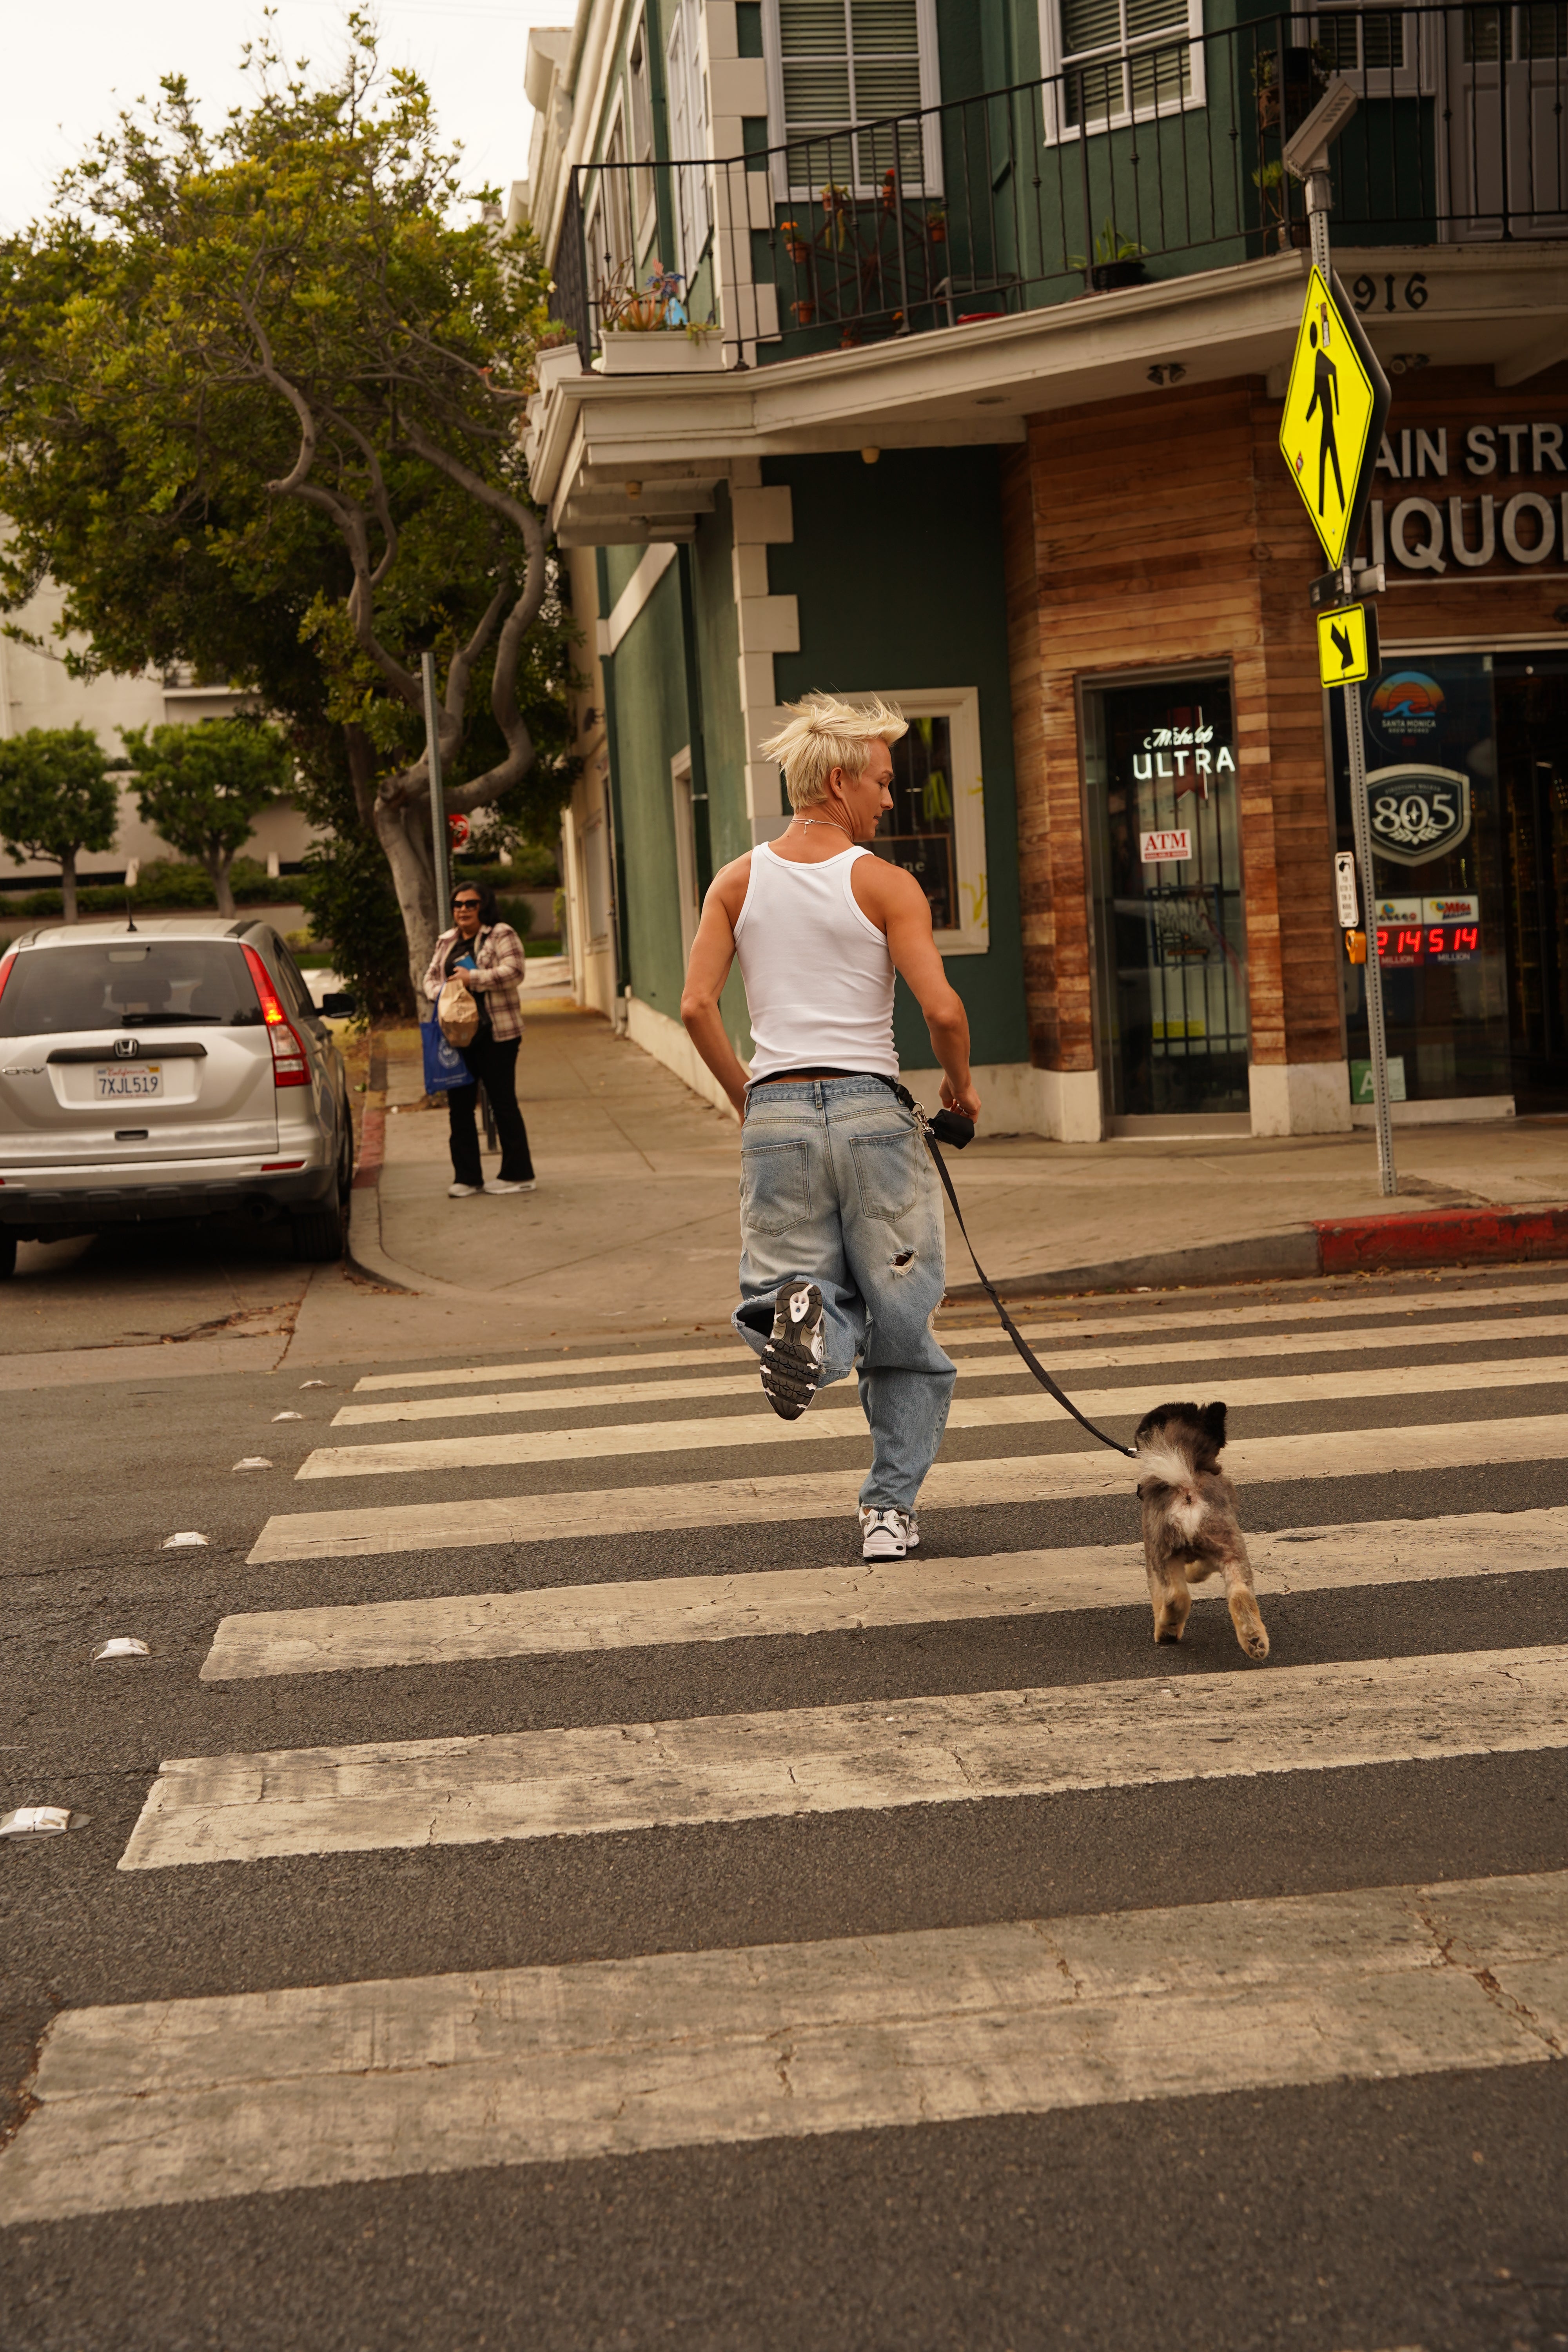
<point>1334,406</point>
<point>1346,648</point>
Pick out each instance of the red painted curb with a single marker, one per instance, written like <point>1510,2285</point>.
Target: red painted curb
<point>372,1150</point>
<point>1440,1237</point>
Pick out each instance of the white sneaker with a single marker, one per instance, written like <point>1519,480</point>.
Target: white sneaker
<point>463,1191</point>
<point>888,1535</point>
<point>526,1186</point>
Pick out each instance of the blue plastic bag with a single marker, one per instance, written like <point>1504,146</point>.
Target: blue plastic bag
<point>444,1065</point>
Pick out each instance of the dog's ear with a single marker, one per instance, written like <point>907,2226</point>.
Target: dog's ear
<point>1212,1423</point>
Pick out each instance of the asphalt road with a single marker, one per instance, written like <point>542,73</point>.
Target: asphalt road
<point>1399,2204</point>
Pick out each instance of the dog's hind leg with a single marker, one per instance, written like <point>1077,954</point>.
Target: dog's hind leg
<point>1242,1596</point>
<point>1172,1601</point>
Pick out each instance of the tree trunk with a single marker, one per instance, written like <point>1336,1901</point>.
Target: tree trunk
<point>68,884</point>
<point>406,840</point>
<point>217,869</point>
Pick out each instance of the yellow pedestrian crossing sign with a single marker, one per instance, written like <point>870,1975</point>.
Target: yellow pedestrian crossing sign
<point>1335,408</point>
<point>1347,646</point>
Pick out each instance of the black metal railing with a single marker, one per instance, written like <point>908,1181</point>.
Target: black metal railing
<point>1153,159</point>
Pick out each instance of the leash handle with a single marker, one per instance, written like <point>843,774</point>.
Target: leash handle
<point>1011,1329</point>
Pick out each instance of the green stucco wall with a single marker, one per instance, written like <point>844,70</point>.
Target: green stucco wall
<point>650,728</point>
<point>898,570</point>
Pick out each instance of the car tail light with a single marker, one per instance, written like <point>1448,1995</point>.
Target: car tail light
<point>6,963</point>
<point>290,1066</point>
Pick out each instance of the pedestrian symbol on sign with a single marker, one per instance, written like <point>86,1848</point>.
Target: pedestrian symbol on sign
<point>1336,403</point>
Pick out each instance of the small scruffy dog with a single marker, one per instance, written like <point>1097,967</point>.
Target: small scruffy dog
<point>1190,1527</point>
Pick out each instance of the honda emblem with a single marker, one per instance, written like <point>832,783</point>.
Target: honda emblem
<point>128,1048</point>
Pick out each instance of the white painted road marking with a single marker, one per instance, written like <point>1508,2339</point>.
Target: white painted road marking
<point>722,1608</point>
<point>1071,1323</point>
<point>238,2094</point>
<point>743,1382</point>
<point>492,1449</point>
<point>608,1511</point>
<point>870,1756</point>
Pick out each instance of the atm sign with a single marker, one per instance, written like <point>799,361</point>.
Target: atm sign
<point>1165,848</point>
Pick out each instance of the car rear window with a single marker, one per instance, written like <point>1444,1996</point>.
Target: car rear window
<point>127,983</point>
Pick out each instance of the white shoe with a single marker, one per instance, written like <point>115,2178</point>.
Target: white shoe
<point>526,1186</point>
<point>463,1191</point>
<point>888,1535</point>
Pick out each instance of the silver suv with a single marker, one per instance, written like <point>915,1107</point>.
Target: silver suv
<point>167,1070</point>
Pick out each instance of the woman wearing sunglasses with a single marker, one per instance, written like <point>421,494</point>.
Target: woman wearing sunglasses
<point>488,956</point>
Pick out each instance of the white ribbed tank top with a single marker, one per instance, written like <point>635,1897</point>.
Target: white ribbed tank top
<point>818,976</point>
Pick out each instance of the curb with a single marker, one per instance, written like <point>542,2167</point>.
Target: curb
<point>1430,1237</point>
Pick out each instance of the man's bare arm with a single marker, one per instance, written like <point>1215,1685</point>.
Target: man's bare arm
<point>895,900</point>
<point>712,953</point>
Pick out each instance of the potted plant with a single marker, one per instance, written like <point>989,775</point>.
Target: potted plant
<point>835,201</point>
<point>805,313</point>
<point>1117,261</point>
<point>648,330</point>
<point>795,245</point>
<point>936,227</point>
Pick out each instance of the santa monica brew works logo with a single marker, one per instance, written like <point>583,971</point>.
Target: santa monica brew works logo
<point>1406,706</point>
<point>1417,813</point>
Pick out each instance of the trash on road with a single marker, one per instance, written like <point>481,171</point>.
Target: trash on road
<point>287,1416</point>
<point>254,1462</point>
<point>313,1384</point>
<point>172,1543</point>
<point>35,1821</point>
<point>122,1645</point>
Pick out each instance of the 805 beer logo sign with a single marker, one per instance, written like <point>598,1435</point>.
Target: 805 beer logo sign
<point>1418,814</point>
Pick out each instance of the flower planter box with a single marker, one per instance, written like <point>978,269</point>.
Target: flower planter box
<point>551,366</point>
<point>660,351</point>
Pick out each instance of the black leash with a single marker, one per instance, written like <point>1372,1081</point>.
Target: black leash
<point>952,1126</point>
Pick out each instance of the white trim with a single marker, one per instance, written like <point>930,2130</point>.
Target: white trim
<point>635,595</point>
<point>1052,54</point>
<point>960,706</point>
<point>928,60</point>
<point>684,816</point>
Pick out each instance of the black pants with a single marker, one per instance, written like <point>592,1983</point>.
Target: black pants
<point>494,1066</point>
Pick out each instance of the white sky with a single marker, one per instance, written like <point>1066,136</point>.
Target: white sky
<point>67,74</point>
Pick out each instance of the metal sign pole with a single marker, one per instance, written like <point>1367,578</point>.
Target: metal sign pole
<point>1319,198</point>
<point>438,798</point>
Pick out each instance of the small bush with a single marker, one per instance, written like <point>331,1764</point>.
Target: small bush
<point>519,913</point>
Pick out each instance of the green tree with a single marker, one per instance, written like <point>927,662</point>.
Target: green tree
<point>57,799</point>
<point>202,788</point>
<point>260,394</point>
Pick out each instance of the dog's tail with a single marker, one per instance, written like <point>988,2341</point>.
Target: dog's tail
<point>1160,1458</point>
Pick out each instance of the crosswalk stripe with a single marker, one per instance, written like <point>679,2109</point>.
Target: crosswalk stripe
<point>235,2094</point>
<point>952,1485</point>
<point>825,1424</point>
<point>743,1382</point>
<point>1070,1324</point>
<point>722,1608</point>
<point>951,1748</point>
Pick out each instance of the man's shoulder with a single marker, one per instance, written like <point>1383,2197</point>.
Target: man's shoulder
<point>732,881</point>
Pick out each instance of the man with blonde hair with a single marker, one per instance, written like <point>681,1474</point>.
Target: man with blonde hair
<point>842,1241</point>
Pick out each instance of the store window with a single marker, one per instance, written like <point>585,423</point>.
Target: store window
<point>936,826</point>
<point>1467,785</point>
<point>1170,935</point>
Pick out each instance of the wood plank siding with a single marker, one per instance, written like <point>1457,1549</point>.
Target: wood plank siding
<point>1151,533</point>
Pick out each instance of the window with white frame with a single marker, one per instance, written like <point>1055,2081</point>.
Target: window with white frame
<point>1122,60</point>
<point>833,63</point>
<point>936,828</point>
<point>1387,54</point>
<point>639,73</point>
<point>688,87</point>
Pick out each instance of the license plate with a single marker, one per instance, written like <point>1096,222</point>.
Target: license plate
<point>138,1082</point>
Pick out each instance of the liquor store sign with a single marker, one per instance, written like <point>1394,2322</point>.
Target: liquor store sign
<point>1417,813</point>
<point>1487,496</point>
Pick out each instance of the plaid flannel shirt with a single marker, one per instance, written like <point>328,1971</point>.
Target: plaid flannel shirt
<point>498,952</point>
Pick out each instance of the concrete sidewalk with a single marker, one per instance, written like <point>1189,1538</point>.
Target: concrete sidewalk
<point>633,1226</point>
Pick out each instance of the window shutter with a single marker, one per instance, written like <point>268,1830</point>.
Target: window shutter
<point>846,61</point>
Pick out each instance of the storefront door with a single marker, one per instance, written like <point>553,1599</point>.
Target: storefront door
<point>1170,939</point>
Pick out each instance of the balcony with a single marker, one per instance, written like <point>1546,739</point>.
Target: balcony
<point>1128,167</point>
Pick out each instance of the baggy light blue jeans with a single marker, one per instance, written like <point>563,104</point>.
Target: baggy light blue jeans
<point>838,1188</point>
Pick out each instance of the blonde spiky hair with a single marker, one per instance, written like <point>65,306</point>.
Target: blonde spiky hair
<point>826,732</point>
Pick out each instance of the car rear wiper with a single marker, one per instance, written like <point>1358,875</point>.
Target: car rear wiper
<point>165,1020</point>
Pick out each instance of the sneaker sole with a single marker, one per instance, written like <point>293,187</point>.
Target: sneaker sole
<point>789,1367</point>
